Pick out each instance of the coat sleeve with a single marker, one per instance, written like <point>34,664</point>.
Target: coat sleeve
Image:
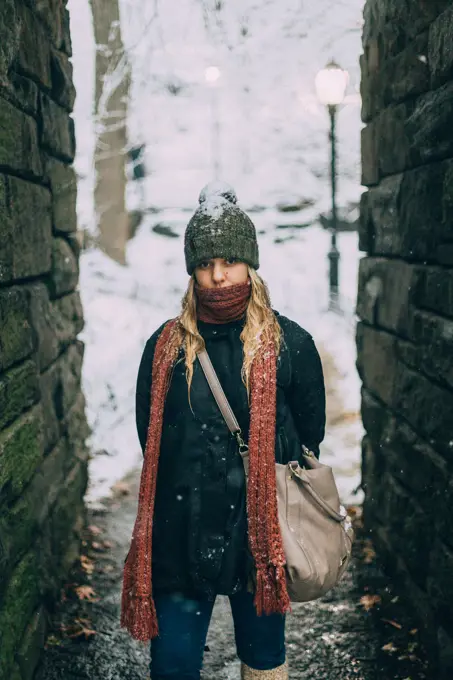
<point>143,388</point>
<point>306,394</point>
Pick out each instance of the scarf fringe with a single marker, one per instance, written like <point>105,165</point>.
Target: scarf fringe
<point>271,595</point>
<point>140,618</point>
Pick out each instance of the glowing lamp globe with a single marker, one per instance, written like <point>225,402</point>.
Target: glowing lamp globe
<point>331,83</point>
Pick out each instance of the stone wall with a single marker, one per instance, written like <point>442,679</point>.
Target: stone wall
<point>43,459</point>
<point>405,303</point>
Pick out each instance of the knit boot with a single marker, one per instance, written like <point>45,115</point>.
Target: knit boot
<point>280,673</point>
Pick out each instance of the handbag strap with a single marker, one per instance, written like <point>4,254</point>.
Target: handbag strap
<point>222,401</point>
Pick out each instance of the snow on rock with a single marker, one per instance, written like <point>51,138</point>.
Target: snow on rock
<point>217,189</point>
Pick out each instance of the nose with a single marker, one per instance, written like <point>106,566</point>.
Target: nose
<point>218,273</point>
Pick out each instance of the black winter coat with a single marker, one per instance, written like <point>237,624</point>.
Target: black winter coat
<point>200,523</point>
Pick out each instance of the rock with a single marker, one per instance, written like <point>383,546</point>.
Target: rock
<point>34,48</point>
<point>60,387</point>
<point>19,149</point>
<point>55,323</point>
<point>394,139</point>
<point>428,128</point>
<point>63,90</point>
<point>407,74</point>
<point>370,158</point>
<point>21,450</point>
<point>32,644</point>
<point>385,293</point>
<point>16,340</point>
<point>20,600</point>
<point>440,49</point>
<point>57,126</point>
<point>63,186</point>
<point>28,243</point>
<point>377,362</point>
<point>434,290</point>
<point>19,389</point>
<point>295,205</point>
<point>164,230</point>
<point>65,269</point>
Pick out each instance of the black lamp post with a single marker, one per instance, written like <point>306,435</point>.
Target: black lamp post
<point>331,83</point>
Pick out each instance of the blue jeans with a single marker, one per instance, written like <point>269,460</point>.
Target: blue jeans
<point>183,626</point>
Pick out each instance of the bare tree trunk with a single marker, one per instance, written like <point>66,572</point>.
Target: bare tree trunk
<point>111,102</point>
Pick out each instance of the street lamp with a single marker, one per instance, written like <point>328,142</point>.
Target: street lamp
<point>212,75</point>
<point>331,83</point>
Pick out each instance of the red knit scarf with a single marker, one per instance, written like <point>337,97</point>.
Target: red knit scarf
<point>138,612</point>
<point>221,305</point>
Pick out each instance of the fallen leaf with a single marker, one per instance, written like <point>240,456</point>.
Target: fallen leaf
<point>369,553</point>
<point>395,599</point>
<point>96,546</point>
<point>414,631</point>
<point>393,623</point>
<point>107,544</point>
<point>86,593</point>
<point>369,601</point>
<point>87,564</point>
<point>94,530</point>
<point>389,647</point>
<point>80,627</point>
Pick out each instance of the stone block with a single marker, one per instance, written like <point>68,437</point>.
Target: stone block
<point>370,156</point>
<point>25,93</point>
<point>403,516</point>
<point>65,269</point>
<point>10,32</point>
<point>426,406</point>
<point>377,362</point>
<point>33,58</point>
<point>66,43</point>
<point>385,293</point>
<point>379,223</point>
<point>57,130</point>
<point>407,74</point>
<point>370,84</point>
<point>16,340</point>
<point>434,290</point>
<point>19,389</point>
<point>375,417</point>
<point>51,14</point>
<point>77,430</point>
<point>21,451</point>
<point>32,644</point>
<point>20,601</point>
<point>19,150</point>
<point>28,242</point>
<point>26,517</point>
<point>67,520</point>
<point>63,185</point>
<point>440,49</point>
<point>55,323</point>
<point>393,140</point>
<point>432,336</point>
<point>409,214</point>
<point>415,464</point>
<point>428,128</point>
<point>63,90</point>
<point>60,386</point>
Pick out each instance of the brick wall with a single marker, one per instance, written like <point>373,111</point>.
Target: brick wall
<point>405,303</point>
<point>43,459</point>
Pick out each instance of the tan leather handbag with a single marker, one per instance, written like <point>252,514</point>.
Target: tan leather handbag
<point>316,531</point>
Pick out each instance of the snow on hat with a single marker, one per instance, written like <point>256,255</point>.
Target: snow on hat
<point>219,228</point>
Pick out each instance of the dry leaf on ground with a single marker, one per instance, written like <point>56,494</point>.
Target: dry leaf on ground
<point>369,601</point>
<point>86,593</point>
<point>87,564</point>
<point>121,488</point>
<point>389,647</point>
<point>93,529</point>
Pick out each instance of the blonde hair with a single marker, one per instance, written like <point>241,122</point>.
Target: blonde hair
<point>261,325</point>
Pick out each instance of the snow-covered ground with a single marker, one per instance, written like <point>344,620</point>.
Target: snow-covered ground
<point>272,146</point>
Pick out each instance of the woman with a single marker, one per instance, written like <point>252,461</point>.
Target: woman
<point>199,532</point>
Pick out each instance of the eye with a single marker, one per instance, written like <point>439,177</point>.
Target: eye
<point>231,260</point>
<point>204,265</point>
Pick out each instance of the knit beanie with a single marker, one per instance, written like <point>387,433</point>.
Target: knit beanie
<point>219,228</point>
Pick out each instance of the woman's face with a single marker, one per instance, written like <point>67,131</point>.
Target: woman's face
<point>219,273</point>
